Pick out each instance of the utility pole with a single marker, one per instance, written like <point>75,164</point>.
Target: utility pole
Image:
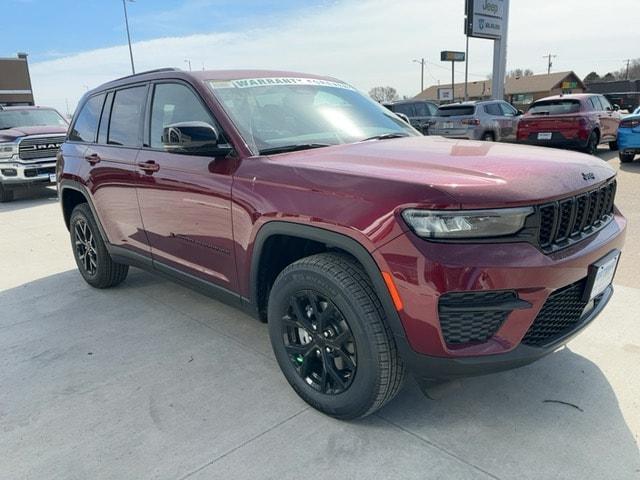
<point>550,63</point>
<point>421,62</point>
<point>628,62</point>
<point>188,61</point>
<point>466,71</point>
<point>126,21</point>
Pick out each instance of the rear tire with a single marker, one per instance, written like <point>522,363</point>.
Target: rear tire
<point>613,146</point>
<point>488,137</point>
<point>626,157</point>
<point>90,252</point>
<point>325,297</point>
<point>6,195</point>
<point>592,144</point>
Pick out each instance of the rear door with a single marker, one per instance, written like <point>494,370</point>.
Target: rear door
<point>185,199</point>
<point>610,119</point>
<point>509,122</point>
<point>109,167</point>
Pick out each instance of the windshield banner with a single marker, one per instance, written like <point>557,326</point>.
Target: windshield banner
<point>267,82</point>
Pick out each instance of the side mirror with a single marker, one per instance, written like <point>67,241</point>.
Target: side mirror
<point>616,107</point>
<point>193,138</point>
<point>520,112</point>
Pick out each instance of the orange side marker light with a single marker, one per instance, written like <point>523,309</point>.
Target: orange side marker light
<point>391,286</point>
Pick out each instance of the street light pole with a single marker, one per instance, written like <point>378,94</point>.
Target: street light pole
<point>126,21</point>
<point>188,61</point>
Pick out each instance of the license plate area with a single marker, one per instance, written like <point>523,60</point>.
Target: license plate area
<point>545,136</point>
<point>601,275</point>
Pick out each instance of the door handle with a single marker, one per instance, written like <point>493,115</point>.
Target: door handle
<point>93,158</point>
<point>149,167</point>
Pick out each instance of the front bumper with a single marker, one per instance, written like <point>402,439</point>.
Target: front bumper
<point>16,173</point>
<point>424,271</point>
<point>628,141</point>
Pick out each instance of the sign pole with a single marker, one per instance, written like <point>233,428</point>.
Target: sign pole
<point>500,57</point>
<point>466,71</point>
<point>453,82</point>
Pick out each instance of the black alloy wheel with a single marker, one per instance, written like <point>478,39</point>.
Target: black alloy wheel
<point>85,246</point>
<point>319,342</point>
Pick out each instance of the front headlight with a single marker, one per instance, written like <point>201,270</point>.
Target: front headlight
<point>7,150</point>
<point>463,224</point>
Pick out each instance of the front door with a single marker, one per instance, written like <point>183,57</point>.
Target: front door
<point>185,199</point>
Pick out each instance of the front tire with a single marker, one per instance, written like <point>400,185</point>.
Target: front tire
<point>488,137</point>
<point>90,252</point>
<point>328,332</point>
<point>626,157</point>
<point>6,195</point>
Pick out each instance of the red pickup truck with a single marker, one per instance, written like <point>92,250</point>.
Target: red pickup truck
<point>579,121</point>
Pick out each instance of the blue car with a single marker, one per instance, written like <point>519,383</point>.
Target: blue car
<point>629,137</point>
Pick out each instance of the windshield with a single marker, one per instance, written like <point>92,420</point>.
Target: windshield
<point>273,113</point>
<point>455,111</point>
<point>555,107</point>
<point>30,118</point>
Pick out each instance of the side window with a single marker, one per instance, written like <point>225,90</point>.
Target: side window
<point>85,128</point>
<point>432,109</point>
<point>493,109</point>
<point>605,103</point>
<point>421,109</point>
<point>127,114</point>
<point>596,103</point>
<point>405,108</point>
<point>174,103</point>
<point>508,110</point>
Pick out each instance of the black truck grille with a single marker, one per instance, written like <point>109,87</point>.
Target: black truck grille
<point>570,220</point>
<point>560,314</point>
<point>34,172</point>
<point>33,148</point>
<point>467,317</point>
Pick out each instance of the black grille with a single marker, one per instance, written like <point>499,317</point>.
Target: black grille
<point>34,172</point>
<point>467,317</point>
<point>32,148</point>
<point>571,219</point>
<point>560,314</point>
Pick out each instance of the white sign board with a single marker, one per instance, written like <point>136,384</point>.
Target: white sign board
<point>486,18</point>
<point>445,94</point>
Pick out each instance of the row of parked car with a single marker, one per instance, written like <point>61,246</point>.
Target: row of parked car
<point>578,121</point>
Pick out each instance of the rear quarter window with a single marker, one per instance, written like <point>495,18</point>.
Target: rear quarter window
<point>555,107</point>
<point>85,128</point>
<point>456,111</point>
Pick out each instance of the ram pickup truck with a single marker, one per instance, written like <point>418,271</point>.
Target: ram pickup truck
<point>370,249</point>
<point>29,140</point>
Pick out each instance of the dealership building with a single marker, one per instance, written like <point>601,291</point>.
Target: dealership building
<point>15,82</point>
<point>520,91</point>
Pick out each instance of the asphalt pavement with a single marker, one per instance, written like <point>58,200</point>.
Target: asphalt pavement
<point>151,380</point>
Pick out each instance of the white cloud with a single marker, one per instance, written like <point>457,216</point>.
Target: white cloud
<point>367,43</point>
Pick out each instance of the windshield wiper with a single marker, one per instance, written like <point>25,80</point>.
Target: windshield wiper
<point>293,148</point>
<point>386,136</point>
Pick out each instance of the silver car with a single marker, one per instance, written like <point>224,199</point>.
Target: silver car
<point>490,120</point>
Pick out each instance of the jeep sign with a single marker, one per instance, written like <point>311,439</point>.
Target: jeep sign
<point>485,18</point>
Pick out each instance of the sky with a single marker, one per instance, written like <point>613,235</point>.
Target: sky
<point>77,45</point>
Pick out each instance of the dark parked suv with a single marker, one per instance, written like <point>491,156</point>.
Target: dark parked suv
<point>370,249</point>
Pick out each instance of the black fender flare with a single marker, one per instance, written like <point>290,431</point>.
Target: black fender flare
<point>331,239</point>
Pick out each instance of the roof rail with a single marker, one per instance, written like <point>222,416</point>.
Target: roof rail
<point>157,70</point>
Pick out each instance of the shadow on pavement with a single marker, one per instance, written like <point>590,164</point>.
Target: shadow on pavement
<point>557,418</point>
<point>30,197</point>
<point>633,167</point>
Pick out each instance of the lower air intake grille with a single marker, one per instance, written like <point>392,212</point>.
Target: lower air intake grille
<point>560,314</point>
<point>467,317</point>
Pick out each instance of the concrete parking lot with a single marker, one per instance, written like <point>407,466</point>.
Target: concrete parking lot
<point>151,380</point>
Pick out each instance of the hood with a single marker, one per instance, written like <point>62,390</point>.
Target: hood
<point>11,134</point>
<point>475,174</point>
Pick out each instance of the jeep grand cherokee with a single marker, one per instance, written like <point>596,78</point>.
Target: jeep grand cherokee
<point>370,249</point>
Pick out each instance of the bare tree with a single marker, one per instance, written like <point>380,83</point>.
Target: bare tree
<point>384,94</point>
<point>519,72</point>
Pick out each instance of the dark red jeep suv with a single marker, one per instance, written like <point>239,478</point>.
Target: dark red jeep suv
<point>370,249</point>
